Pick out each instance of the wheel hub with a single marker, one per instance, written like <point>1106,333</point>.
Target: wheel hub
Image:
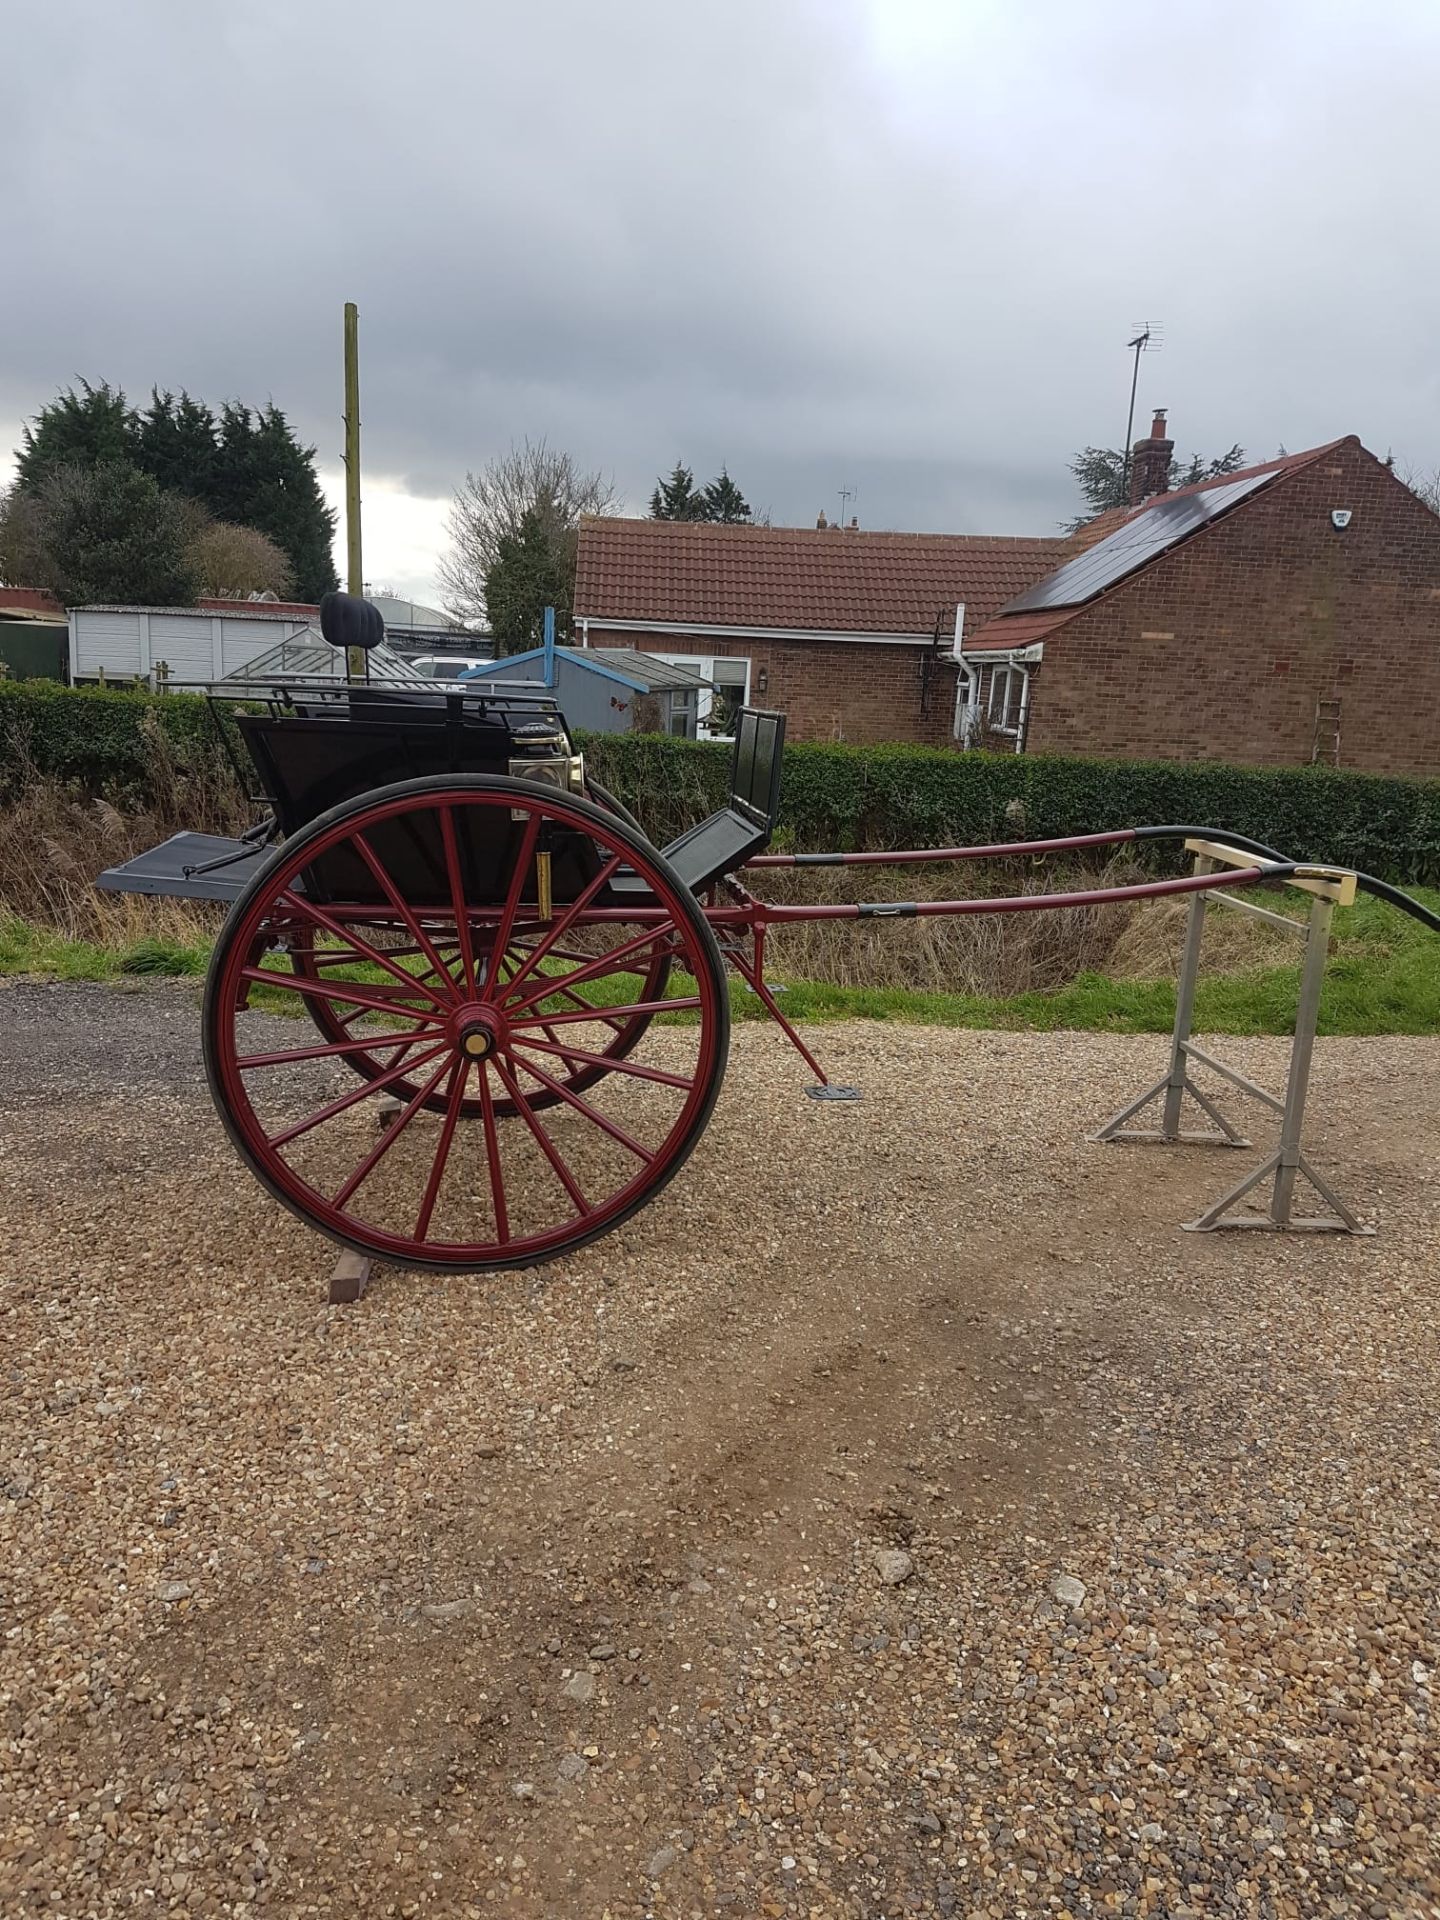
<point>475,1031</point>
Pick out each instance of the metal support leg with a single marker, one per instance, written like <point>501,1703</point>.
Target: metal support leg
<point>1176,1082</point>
<point>1288,1160</point>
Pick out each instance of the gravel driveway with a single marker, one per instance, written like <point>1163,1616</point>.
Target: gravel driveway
<point>899,1516</point>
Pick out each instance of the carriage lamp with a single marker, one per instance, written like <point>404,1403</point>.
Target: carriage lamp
<point>563,770</point>
<point>541,751</point>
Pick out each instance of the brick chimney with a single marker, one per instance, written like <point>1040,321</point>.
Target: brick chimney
<point>1150,462</point>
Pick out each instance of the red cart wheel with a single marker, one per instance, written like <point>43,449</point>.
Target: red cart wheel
<point>337,1021</point>
<point>401,900</point>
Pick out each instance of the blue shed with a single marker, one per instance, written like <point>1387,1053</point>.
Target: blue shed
<point>605,689</point>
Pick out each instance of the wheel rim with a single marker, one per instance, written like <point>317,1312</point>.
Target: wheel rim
<point>541,1100</point>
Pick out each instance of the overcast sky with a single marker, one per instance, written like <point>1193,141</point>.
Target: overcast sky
<point>891,245</point>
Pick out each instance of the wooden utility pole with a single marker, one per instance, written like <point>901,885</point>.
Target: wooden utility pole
<point>355,574</point>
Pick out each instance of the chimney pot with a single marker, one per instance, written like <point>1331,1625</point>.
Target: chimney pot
<point>1150,462</point>
<point>820,521</point>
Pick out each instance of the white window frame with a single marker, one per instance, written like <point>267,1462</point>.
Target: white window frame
<point>1012,679</point>
<point>705,663</point>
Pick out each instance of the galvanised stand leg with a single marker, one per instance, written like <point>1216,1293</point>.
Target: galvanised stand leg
<point>1288,1160</point>
<point>1184,1012</point>
<point>1176,1082</point>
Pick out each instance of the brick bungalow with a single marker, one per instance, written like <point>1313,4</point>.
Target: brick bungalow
<point>850,633</point>
<point>1258,618</point>
<point>1255,618</point>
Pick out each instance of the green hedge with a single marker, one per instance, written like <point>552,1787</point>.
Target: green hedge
<point>106,743</point>
<point>901,796</point>
<point>131,749</point>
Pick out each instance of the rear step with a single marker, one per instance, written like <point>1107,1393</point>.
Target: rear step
<point>189,866</point>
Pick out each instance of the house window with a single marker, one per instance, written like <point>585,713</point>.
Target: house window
<point>680,718</point>
<point>711,714</point>
<point>732,690</point>
<point>1007,687</point>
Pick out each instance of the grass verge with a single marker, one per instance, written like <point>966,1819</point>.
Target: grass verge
<point>1383,977</point>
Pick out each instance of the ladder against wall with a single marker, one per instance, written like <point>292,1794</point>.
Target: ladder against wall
<point>1325,752</point>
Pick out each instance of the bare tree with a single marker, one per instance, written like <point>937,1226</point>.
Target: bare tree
<point>1425,486</point>
<point>233,562</point>
<point>492,506</point>
<point>23,561</point>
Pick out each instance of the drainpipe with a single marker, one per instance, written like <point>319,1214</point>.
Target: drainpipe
<point>550,646</point>
<point>967,682</point>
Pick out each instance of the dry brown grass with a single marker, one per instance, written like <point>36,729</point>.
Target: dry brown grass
<point>995,954</point>
<point>51,849</point>
<point>52,846</point>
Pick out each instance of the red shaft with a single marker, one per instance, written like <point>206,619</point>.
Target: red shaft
<point>1118,836</point>
<point>1024,902</point>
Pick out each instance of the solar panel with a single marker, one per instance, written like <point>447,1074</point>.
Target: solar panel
<point>1139,540</point>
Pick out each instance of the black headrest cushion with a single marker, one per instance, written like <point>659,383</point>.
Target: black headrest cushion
<point>348,621</point>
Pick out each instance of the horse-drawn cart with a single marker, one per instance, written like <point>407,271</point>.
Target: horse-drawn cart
<point>439,908</point>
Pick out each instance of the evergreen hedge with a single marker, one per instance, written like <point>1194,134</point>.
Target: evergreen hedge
<point>101,743</point>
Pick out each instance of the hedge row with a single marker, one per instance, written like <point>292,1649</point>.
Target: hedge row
<point>105,743</point>
<point>902,796</point>
<point>128,748</point>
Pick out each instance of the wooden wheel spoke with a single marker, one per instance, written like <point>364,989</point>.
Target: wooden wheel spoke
<point>612,1016</point>
<point>392,894</point>
<point>391,1134</point>
<point>363,951</point>
<point>607,1060</point>
<point>605,1124</point>
<point>364,1045</point>
<point>367,999</point>
<point>457,899</point>
<point>546,1144</point>
<point>492,1160</point>
<point>595,1013</point>
<point>567,917</point>
<point>523,856</point>
<point>593,970</point>
<point>348,1100</point>
<point>454,1102</point>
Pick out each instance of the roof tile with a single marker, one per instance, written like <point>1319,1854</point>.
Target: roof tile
<point>833,580</point>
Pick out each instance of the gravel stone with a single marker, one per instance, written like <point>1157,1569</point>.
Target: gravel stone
<point>1067,1590</point>
<point>1231,1435</point>
<point>893,1565</point>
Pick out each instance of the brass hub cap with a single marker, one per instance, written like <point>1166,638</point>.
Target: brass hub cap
<point>474,1032</point>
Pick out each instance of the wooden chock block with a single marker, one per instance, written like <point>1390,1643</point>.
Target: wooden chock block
<point>349,1278</point>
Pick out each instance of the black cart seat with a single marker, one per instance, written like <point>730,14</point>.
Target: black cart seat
<point>322,751</point>
<point>736,832</point>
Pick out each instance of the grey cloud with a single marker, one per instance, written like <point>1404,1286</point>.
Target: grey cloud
<point>895,245</point>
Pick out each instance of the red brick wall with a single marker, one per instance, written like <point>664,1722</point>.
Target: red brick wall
<point>1222,650</point>
<point>828,690</point>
